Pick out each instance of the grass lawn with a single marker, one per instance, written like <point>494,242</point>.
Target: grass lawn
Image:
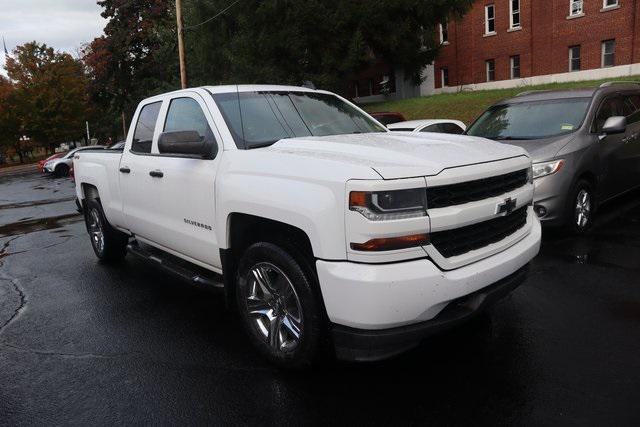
<point>466,106</point>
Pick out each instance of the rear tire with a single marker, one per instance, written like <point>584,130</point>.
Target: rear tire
<point>109,244</point>
<point>278,306</point>
<point>581,207</point>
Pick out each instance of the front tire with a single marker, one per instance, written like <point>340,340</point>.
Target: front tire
<point>581,209</point>
<point>109,244</point>
<point>278,306</point>
<point>61,171</point>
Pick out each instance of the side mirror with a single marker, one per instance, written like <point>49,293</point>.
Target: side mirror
<point>187,142</point>
<point>615,124</point>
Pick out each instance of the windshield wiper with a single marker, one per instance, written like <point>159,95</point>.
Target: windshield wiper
<point>509,138</point>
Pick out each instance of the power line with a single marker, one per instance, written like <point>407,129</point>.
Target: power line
<point>190,27</point>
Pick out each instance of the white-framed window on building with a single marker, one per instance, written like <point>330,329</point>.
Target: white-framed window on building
<point>514,14</point>
<point>576,8</point>
<point>515,66</point>
<point>444,32</point>
<point>607,4</point>
<point>490,19</point>
<point>574,58</point>
<point>491,69</point>
<point>608,53</point>
<point>444,77</point>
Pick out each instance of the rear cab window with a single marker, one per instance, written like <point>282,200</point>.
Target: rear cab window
<point>145,127</point>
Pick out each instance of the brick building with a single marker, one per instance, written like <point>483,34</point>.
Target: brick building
<point>511,39</point>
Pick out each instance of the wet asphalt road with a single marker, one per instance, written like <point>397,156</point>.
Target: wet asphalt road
<point>85,343</point>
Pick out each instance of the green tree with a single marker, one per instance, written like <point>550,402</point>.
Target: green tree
<point>129,62</point>
<point>10,123</point>
<point>50,93</point>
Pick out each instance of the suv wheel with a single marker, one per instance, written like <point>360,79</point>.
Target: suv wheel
<point>109,244</point>
<point>278,307</point>
<point>582,207</point>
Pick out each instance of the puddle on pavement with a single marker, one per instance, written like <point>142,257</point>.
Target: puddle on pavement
<point>39,224</point>
<point>29,204</point>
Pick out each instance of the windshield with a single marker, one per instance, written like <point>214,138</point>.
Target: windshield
<point>531,120</point>
<point>258,119</point>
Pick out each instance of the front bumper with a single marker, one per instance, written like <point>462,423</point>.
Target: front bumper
<point>385,296</point>
<point>551,193</point>
<point>371,345</point>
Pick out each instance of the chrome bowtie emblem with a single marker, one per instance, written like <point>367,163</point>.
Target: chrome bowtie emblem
<point>506,207</point>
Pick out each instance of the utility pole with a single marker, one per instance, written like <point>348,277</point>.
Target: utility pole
<point>183,65</point>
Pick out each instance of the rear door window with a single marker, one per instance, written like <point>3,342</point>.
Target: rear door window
<point>145,127</point>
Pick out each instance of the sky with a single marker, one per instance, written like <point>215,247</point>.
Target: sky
<point>63,24</point>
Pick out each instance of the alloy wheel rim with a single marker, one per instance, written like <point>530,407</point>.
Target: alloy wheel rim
<point>274,307</point>
<point>583,208</point>
<point>95,231</point>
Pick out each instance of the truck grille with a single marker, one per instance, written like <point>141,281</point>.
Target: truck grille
<point>462,240</point>
<point>471,191</point>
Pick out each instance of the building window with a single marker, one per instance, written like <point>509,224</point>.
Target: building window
<point>575,7</point>
<point>444,77</point>
<point>491,70</point>
<point>444,33</point>
<point>489,19</point>
<point>609,3</point>
<point>574,58</point>
<point>608,53</point>
<point>514,6</point>
<point>515,67</point>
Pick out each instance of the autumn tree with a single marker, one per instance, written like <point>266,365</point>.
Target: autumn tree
<point>50,93</point>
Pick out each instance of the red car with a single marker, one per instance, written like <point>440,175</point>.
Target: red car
<point>41,163</point>
<point>386,117</point>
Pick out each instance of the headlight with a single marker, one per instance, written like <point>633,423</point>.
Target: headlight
<point>546,168</point>
<point>389,205</point>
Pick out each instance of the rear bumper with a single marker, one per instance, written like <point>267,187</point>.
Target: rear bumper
<point>370,345</point>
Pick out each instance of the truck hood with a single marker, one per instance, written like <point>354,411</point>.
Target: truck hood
<point>396,155</point>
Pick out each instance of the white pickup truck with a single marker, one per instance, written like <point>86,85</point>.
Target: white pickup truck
<point>323,229</point>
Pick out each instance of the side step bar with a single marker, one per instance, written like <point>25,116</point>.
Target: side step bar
<point>174,265</point>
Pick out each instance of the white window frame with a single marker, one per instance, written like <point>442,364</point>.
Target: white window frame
<point>441,27</point>
<point>487,63</point>
<point>513,12</point>
<point>511,66</point>
<point>571,58</point>
<point>606,6</point>
<point>486,19</point>
<point>442,71</point>
<point>602,54</point>
<point>577,13</point>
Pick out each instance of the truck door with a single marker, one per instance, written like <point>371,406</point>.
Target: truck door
<point>179,189</point>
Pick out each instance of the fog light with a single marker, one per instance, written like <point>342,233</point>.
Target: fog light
<point>540,210</point>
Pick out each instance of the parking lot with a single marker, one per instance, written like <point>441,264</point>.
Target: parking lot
<point>82,342</point>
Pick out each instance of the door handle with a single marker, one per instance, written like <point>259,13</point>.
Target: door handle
<point>156,174</point>
<point>125,169</point>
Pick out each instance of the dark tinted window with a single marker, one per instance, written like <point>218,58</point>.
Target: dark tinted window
<point>143,136</point>
<point>531,120</point>
<point>433,128</point>
<point>261,118</point>
<point>633,101</point>
<point>185,114</point>
<point>452,128</point>
<point>610,107</point>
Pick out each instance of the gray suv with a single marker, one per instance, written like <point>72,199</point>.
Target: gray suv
<point>585,146</point>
